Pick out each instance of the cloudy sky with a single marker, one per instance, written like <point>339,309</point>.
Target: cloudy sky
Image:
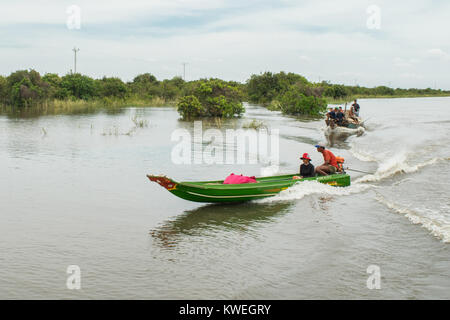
<point>375,42</point>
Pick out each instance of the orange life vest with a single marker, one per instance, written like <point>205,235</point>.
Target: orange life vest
<point>340,163</point>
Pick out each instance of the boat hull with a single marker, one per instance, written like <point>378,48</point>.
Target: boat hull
<point>343,132</point>
<point>216,191</point>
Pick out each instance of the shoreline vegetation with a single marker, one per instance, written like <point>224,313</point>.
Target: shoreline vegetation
<point>28,91</point>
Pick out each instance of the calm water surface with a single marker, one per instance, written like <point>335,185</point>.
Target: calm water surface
<point>73,191</point>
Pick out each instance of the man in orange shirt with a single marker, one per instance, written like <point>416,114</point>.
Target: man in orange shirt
<point>329,165</point>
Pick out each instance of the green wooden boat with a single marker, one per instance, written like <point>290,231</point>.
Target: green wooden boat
<point>216,191</point>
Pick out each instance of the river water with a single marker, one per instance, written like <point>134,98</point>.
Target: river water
<point>73,191</point>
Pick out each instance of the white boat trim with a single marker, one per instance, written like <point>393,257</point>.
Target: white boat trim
<point>228,197</point>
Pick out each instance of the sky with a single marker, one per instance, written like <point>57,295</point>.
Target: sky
<point>365,42</point>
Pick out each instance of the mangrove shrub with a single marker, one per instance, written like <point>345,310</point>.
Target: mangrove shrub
<point>266,87</point>
<point>78,86</point>
<point>190,107</point>
<point>25,87</point>
<point>297,103</point>
<point>3,90</point>
<point>213,98</point>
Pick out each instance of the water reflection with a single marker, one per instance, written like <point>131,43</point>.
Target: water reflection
<point>298,138</point>
<point>215,217</point>
<point>35,112</point>
<point>211,123</point>
<point>337,141</point>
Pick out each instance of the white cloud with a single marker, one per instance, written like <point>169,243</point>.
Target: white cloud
<point>405,63</point>
<point>230,39</point>
<point>100,11</point>
<point>409,75</point>
<point>304,58</point>
<point>439,54</point>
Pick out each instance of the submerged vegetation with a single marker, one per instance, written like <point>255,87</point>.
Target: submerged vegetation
<point>211,98</point>
<point>75,93</point>
<point>255,125</point>
<point>294,94</point>
<point>286,92</point>
<point>114,130</point>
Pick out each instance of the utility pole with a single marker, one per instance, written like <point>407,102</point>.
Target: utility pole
<point>184,70</point>
<point>75,50</point>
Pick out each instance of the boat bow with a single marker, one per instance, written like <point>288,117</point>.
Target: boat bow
<point>163,181</point>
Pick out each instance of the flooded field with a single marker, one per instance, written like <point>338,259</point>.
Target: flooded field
<point>74,191</point>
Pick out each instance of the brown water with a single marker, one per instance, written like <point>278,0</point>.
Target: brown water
<point>73,191</point>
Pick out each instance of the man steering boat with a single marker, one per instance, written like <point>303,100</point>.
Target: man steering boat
<point>330,165</point>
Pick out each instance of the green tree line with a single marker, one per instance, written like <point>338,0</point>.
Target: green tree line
<point>27,88</point>
<point>288,92</point>
<point>294,94</point>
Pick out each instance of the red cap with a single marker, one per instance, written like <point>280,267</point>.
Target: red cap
<point>306,156</point>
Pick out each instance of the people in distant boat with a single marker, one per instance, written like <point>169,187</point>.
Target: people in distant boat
<point>354,110</point>
<point>331,117</point>
<point>329,165</point>
<point>340,116</point>
<point>331,114</point>
<point>307,168</point>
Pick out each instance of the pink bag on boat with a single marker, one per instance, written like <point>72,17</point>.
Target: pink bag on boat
<point>238,179</point>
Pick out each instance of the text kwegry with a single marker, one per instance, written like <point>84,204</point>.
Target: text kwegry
<point>227,309</point>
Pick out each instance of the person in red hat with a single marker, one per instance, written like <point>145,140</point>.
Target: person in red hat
<point>306,169</point>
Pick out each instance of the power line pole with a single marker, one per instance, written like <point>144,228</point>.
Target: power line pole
<point>75,50</point>
<point>184,70</point>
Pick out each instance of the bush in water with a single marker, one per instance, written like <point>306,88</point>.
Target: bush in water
<point>190,107</point>
<point>296,103</point>
<point>266,87</point>
<point>211,98</point>
<point>24,88</point>
<point>80,86</point>
<point>3,90</point>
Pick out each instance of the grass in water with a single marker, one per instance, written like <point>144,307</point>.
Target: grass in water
<point>139,123</point>
<point>114,130</point>
<point>254,124</point>
<point>80,106</point>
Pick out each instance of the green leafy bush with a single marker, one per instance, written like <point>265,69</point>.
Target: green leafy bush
<point>79,86</point>
<point>3,90</point>
<point>190,107</point>
<point>216,98</point>
<point>268,86</point>
<point>296,103</point>
<point>145,86</point>
<point>335,91</point>
<point>25,88</point>
<point>384,91</point>
<point>113,87</point>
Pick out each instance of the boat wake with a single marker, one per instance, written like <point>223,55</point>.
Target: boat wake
<point>429,219</point>
<point>305,188</point>
<point>341,132</point>
<point>270,170</point>
<point>397,165</point>
<point>361,154</point>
